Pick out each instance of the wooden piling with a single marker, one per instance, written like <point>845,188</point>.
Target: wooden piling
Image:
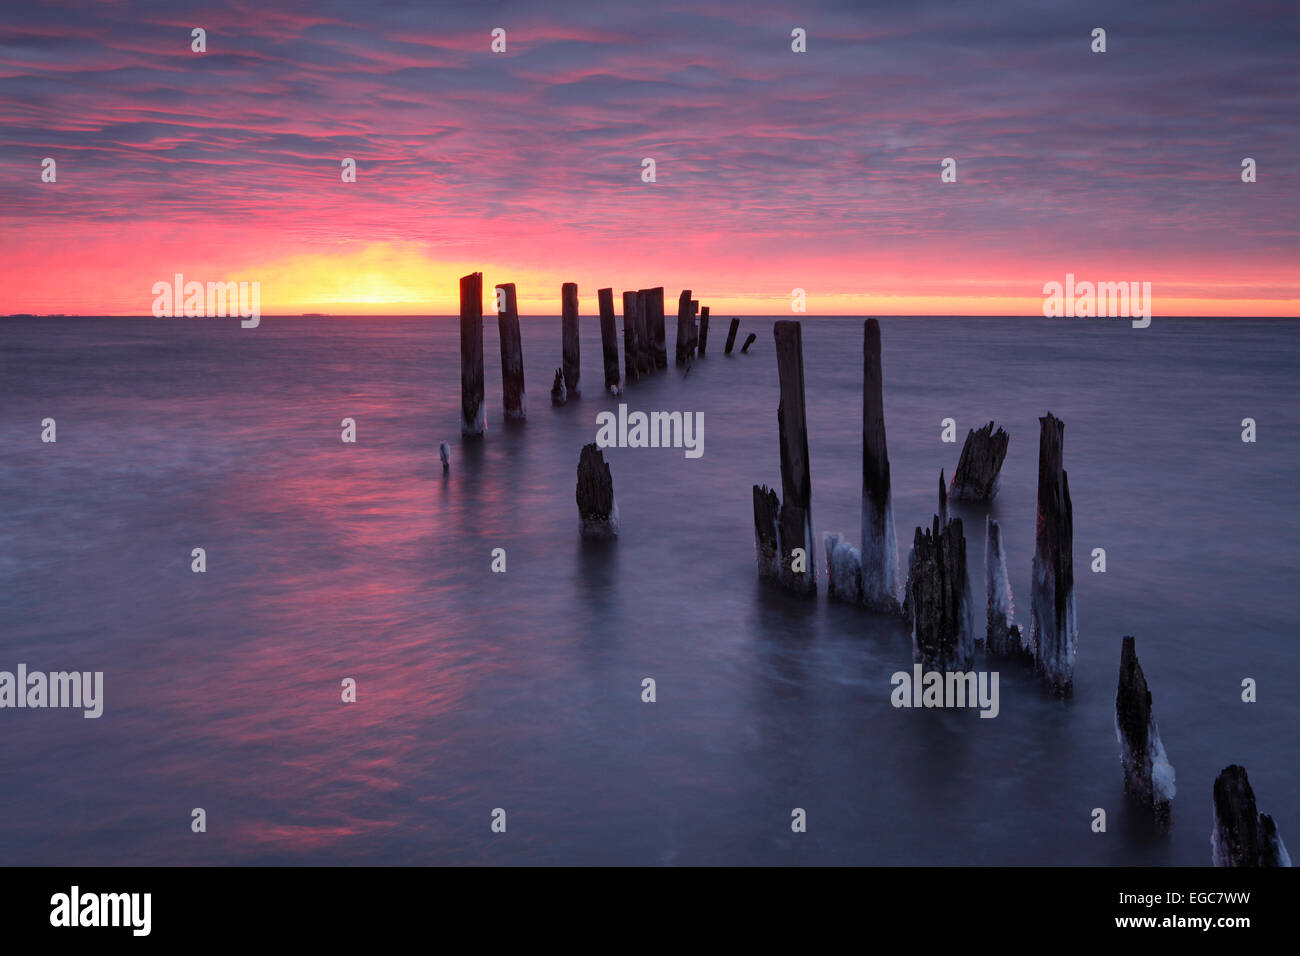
<point>512,352</point>
<point>704,330</point>
<point>473,421</point>
<point>941,639</point>
<point>569,325</point>
<point>731,335</point>
<point>976,477</point>
<point>685,326</point>
<point>796,476</point>
<point>655,326</point>
<point>645,362</point>
<point>1148,776</point>
<point>631,342</point>
<point>1053,625</point>
<point>748,342</point>
<point>1241,836</point>
<point>597,510</point>
<point>879,546</point>
<point>609,340</point>
<point>559,394</point>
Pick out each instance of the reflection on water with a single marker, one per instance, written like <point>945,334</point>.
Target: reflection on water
<point>522,690</point>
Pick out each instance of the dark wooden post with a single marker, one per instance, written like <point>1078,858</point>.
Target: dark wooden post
<point>1053,625</point>
<point>731,335</point>
<point>749,340</point>
<point>976,477</point>
<point>695,332</point>
<point>655,326</point>
<point>1241,835</point>
<point>879,544</point>
<point>645,363</point>
<point>685,323</point>
<point>473,421</point>
<point>609,340</point>
<point>704,329</point>
<point>796,475</point>
<point>941,638</point>
<point>631,341</point>
<point>512,351</point>
<point>1147,774</point>
<point>569,324</point>
<point>597,510</point>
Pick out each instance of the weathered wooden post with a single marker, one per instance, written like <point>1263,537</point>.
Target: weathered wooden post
<point>1053,624</point>
<point>597,510</point>
<point>704,329</point>
<point>1241,835</point>
<point>685,325</point>
<point>941,636</point>
<point>1004,638</point>
<point>655,327</point>
<point>559,394</point>
<point>694,330</point>
<point>1148,775</point>
<point>631,342</point>
<point>879,553</point>
<point>512,351</point>
<point>797,563</point>
<point>645,363</point>
<point>609,341</point>
<point>731,336</point>
<point>976,477</point>
<point>748,342</point>
<point>569,323</point>
<point>473,420</point>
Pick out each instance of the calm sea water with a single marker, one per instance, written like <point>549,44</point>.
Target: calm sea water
<point>522,690</point>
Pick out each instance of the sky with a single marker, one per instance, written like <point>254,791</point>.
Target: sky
<point>774,170</point>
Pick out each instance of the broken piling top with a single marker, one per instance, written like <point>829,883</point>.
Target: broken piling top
<point>1241,835</point>
<point>559,394</point>
<point>473,419</point>
<point>978,469</point>
<point>569,331</point>
<point>767,540</point>
<point>1053,624</point>
<point>1148,775</point>
<point>512,351</point>
<point>748,342</point>
<point>943,500</point>
<point>731,336</point>
<point>597,511</point>
<point>609,340</point>
<point>941,633</point>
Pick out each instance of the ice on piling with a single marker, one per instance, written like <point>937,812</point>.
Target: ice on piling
<point>879,554</point>
<point>843,569</point>
<point>1004,638</point>
<point>1053,623</point>
<point>1148,775</point>
<point>1241,836</point>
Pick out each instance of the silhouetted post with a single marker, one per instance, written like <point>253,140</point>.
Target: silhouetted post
<point>1053,625</point>
<point>731,335</point>
<point>559,394</point>
<point>609,340</point>
<point>512,351</point>
<point>631,343</point>
<point>695,331</point>
<point>1148,775</point>
<point>645,363</point>
<point>597,510</point>
<point>1242,836</point>
<point>473,421</point>
<point>569,323</point>
<point>796,476</point>
<point>685,325</point>
<point>879,553</point>
<point>704,329</point>
<point>654,318</point>
<point>748,342</point>
<point>976,478</point>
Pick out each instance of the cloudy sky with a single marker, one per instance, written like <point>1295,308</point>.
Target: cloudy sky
<point>774,169</point>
